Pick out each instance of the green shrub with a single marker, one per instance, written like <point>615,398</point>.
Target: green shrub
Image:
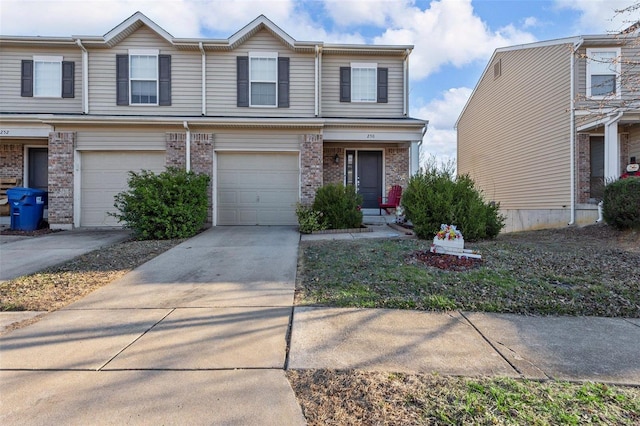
<point>171,204</point>
<point>434,196</point>
<point>309,220</point>
<point>621,203</point>
<point>339,205</point>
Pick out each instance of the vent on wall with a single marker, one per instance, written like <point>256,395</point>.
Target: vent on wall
<point>497,69</point>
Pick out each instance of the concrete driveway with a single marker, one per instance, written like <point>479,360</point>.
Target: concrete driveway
<point>25,255</point>
<point>195,336</point>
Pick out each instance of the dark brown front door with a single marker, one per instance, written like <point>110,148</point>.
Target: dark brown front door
<point>369,175</point>
<point>39,168</point>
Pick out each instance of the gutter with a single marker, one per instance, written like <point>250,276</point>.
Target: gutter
<point>85,77</point>
<point>572,137</point>
<point>204,79</point>
<point>187,147</point>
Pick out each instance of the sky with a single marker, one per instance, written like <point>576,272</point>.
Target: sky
<point>453,39</point>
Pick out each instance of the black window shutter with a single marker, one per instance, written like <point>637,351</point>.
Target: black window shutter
<point>383,85</point>
<point>164,67</point>
<point>122,79</point>
<point>243,81</point>
<point>68,79</point>
<point>26,85</point>
<point>283,82</point>
<point>345,84</point>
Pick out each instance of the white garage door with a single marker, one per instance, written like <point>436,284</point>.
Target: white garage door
<point>104,174</point>
<point>257,188</point>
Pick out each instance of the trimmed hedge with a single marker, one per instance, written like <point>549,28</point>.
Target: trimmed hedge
<point>172,204</point>
<point>621,203</point>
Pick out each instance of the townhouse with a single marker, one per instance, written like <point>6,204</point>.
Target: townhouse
<point>269,118</point>
<point>549,123</point>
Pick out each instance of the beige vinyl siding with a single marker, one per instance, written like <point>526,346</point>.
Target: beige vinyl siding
<point>257,140</point>
<point>121,139</point>
<point>186,78</point>
<point>222,83</point>
<point>331,105</point>
<point>10,81</point>
<point>513,138</point>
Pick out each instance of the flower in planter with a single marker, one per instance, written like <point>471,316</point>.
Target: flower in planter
<point>448,232</point>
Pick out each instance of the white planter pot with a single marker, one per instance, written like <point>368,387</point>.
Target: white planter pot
<point>456,245</point>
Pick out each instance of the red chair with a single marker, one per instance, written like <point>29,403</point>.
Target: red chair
<point>392,200</point>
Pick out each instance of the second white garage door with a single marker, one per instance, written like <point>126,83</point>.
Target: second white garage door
<point>257,188</point>
<point>104,174</point>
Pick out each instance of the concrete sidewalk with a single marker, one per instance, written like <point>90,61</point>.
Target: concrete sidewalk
<point>199,335</point>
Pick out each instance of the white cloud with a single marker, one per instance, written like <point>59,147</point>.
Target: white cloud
<point>599,16</point>
<point>442,113</point>
<point>363,12</point>
<point>530,21</point>
<point>447,33</point>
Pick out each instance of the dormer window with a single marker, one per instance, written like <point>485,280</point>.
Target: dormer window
<point>603,73</point>
<point>263,77</point>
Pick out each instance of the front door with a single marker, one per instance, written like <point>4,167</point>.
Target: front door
<point>369,177</point>
<point>38,168</point>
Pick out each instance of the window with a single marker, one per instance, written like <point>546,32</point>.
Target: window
<point>143,72</point>
<point>143,77</point>
<point>263,77</point>
<point>262,80</point>
<point>363,82</point>
<point>47,77</point>
<point>603,69</point>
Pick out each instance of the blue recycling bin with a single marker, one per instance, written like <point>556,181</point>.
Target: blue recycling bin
<point>26,208</point>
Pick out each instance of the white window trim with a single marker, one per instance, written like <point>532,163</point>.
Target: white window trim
<point>270,55</point>
<point>47,59</point>
<point>369,65</point>
<point>618,71</point>
<point>144,52</point>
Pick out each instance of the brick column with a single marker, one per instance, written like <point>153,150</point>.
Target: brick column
<point>202,162</point>
<point>11,161</point>
<point>583,168</point>
<point>61,146</point>
<point>311,167</point>
<point>176,150</point>
<point>397,167</point>
<point>332,172</point>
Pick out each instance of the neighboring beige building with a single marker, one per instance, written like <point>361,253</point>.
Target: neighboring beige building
<point>548,123</point>
<point>269,118</point>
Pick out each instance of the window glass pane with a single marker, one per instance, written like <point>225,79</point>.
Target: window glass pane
<point>363,84</point>
<point>263,94</point>
<point>602,63</point>
<point>143,92</point>
<point>263,69</point>
<point>47,79</point>
<point>144,67</point>
<point>602,85</point>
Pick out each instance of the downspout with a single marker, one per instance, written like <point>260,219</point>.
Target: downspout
<point>572,127</point>
<point>315,88</point>
<point>85,77</point>
<point>405,86</point>
<point>187,147</point>
<point>204,79</point>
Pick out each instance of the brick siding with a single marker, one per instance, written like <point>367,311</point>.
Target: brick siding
<point>61,147</point>
<point>311,162</point>
<point>11,161</point>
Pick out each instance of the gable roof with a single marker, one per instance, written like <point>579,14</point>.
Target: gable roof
<point>139,19</point>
